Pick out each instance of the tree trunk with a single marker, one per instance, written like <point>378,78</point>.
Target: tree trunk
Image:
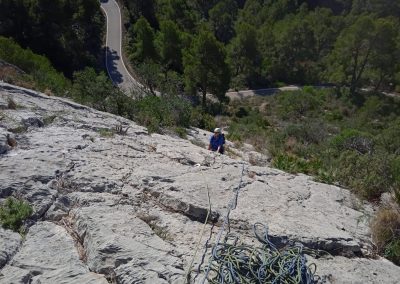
<point>354,73</point>
<point>204,102</point>
<point>378,85</point>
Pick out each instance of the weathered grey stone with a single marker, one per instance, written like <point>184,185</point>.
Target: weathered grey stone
<point>136,203</point>
<point>4,147</point>
<point>59,209</point>
<point>9,244</point>
<point>357,270</point>
<point>32,122</point>
<point>117,242</point>
<point>15,275</point>
<point>49,256</point>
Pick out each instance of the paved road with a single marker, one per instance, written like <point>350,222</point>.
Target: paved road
<point>117,70</point>
<point>115,65</point>
<point>120,76</point>
<point>260,92</point>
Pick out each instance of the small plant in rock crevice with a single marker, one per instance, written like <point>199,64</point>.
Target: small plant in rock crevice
<point>13,213</point>
<point>104,132</point>
<point>19,129</point>
<point>119,129</point>
<point>49,119</point>
<point>160,231</point>
<point>11,104</point>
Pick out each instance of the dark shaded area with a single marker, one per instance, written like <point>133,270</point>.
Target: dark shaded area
<point>111,64</point>
<point>68,33</point>
<point>337,6</point>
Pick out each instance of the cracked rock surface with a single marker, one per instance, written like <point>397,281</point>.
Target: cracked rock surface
<point>48,256</point>
<point>114,208</point>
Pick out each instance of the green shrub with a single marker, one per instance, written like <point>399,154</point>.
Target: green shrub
<point>392,251</point>
<point>389,138</point>
<point>167,111</point>
<point>13,213</point>
<point>201,119</point>
<point>39,67</point>
<point>368,175</point>
<point>292,105</point>
<point>251,128</point>
<point>162,112</point>
<point>385,228</point>
<point>285,163</point>
<point>307,133</point>
<point>325,176</point>
<point>294,164</point>
<point>181,132</point>
<point>93,89</point>
<point>395,172</point>
<point>105,132</point>
<point>334,115</point>
<point>352,139</point>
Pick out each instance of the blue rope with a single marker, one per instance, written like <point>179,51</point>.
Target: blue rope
<point>231,206</point>
<point>232,263</point>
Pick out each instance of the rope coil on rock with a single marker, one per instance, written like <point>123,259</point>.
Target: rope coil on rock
<point>234,263</point>
<point>226,223</point>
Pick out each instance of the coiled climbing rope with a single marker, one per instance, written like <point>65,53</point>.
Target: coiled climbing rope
<point>239,263</point>
<point>231,262</point>
<point>226,223</point>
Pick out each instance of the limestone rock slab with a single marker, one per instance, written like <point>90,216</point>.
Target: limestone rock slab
<point>49,256</point>
<point>119,243</point>
<point>357,270</point>
<point>9,244</point>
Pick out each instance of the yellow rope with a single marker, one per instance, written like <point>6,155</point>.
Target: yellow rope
<point>187,274</point>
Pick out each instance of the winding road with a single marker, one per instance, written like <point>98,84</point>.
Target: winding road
<point>118,72</point>
<point>120,76</point>
<point>115,65</point>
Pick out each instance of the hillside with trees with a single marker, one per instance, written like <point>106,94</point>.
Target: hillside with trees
<point>268,43</point>
<point>69,33</point>
<point>347,134</point>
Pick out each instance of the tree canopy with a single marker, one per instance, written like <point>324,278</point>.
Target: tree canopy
<point>205,68</point>
<point>269,43</point>
<point>68,32</point>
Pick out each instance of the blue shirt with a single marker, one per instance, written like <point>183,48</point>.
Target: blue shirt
<point>215,142</point>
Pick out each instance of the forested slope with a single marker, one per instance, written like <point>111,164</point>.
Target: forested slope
<point>265,43</point>
<point>69,33</point>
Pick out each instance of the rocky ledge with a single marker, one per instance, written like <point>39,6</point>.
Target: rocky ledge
<point>116,207</point>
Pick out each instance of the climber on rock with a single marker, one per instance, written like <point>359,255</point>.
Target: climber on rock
<point>217,141</point>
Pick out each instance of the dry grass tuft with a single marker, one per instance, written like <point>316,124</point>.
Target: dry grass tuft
<point>105,132</point>
<point>251,174</point>
<point>119,129</point>
<point>13,76</point>
<point>385,228</point>
<point>160,231</point>
<point>48,92</point>
<point>290,144</point>
<point>11,104</point>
